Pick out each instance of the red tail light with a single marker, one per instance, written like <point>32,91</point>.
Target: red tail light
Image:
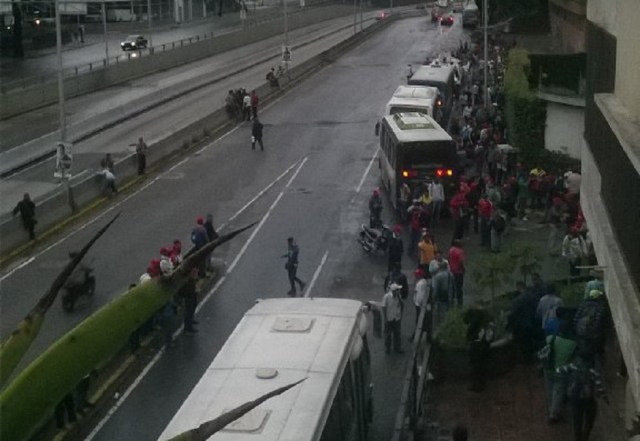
<point>444,172</point>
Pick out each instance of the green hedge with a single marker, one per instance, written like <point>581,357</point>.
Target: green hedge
<point>525,114</point>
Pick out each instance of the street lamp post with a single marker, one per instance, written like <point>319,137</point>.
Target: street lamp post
<point>485,13</point>
<point>61,107</point>
<point>149,19</point>
<point>286,24</point>
<point>104,27</point>
<point>355,16</point>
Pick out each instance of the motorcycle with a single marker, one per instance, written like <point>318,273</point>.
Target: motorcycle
<point>374,239</point>
<point>86,286</point>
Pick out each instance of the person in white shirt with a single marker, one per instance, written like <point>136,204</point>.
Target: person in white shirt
<point>436,193</point>
<point>392,313</point>
<point>166,267</point>
<point>574,248</point>
<point>421,300</point>
<point>246,107</point>
<point>109,180</point>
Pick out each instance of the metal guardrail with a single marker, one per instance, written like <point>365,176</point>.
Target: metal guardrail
<point>16,86</point>
<point>415,382</point>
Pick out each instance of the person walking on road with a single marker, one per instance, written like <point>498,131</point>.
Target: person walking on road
<point>199,239</point>
<point>457,262</point>
<point>254,104</point>
<point>109,181</point>
<point>189,294</point>
<point>107,162</point>
<point>141,155</point>
<point>256,134</point>
<point>392,313</point>
<point>27,210</point>
<point>292,266</point>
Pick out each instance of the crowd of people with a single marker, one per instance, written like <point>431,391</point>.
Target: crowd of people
<point>494,192</point>
<point>241,105</point>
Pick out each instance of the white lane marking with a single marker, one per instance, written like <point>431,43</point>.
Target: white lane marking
<point>135,193</point>
<point>22,265</point>
<point>316,274</point>
<point>124,396</point>
<point>257,196</point>
<point>253,234</point>
<point>296,172</point>
<point>156,358</point>
<point>366,172</point>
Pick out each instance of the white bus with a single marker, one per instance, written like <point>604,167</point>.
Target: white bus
<point>470,15</point>
<point>414,148</point>
<point>277,342</point>
<point>422,99</point>
<point>441,76</point>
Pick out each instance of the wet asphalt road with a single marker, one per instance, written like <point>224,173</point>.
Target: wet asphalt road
<point>322,133</point>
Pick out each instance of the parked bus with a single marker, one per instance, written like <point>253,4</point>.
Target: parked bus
<point>422,99</point>
<point>442,77</point>
<point>413,149</point>
<point>277,342</point>
<point>470,15</point>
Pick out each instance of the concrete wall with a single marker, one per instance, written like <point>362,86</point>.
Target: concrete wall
<point>564,130</point>
<point>567,19</point>
<point>55,209</point>
<point>164,57</point>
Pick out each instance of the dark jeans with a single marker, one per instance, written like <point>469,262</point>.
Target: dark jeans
<point>259,141</point>
<point>459,281</point>
<point>485,232</point>
<point>254,110</point>
<point>392,328</point>
<point>293,278</point>
<point>584,415</point>
<point>66,406</point>
<point>142,163</point>
<point>190,303</point>
<point>29,225</point>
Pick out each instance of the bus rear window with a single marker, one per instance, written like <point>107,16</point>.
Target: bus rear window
<point>399,109</point>
<point>415,155</point>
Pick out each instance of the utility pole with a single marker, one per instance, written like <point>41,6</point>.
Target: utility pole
<point>149,20</point>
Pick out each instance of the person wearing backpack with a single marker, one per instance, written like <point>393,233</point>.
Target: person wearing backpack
<point>497,225</point>
<point>442,289</point>
<point>558,352</point>
<point>588,324</point>
<point>584,387</point>
<point>546,311</point>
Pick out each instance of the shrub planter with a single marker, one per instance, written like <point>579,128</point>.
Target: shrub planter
<point>452,363</point>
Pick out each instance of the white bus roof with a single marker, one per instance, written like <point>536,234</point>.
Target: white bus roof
<point>432,73</point>
<point>416,92</point>
<point>471,6</point>
<point>416,127</point>
<point>296,338</point>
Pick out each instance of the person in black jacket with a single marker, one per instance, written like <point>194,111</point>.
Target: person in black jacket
<point>256,134</point>
<point>27,210</point>
<point>190,296</point>
<point>396,248</point>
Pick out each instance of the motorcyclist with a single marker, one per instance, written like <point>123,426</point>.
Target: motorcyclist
<point>375,209</point>
<point>79,274</point>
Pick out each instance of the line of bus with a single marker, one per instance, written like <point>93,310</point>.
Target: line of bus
<point>414,149</point>
<point>442,77</point>
<point>277,342</point>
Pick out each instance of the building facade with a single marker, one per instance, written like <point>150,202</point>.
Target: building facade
<point>610,194</point>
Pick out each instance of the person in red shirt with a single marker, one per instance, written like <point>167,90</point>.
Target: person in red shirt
<point>457,263</point>
<point>459,207</point>
<point>254,103</point>
<point>485,209</point>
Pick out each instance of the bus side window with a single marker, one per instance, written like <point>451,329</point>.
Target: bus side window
<point>341,424</point>
<point>392,153</point>
<point>377,129</point>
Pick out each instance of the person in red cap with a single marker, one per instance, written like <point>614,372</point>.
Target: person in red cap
<point>375,209</point>
<point>166,267</point>
<point>176,253</point>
